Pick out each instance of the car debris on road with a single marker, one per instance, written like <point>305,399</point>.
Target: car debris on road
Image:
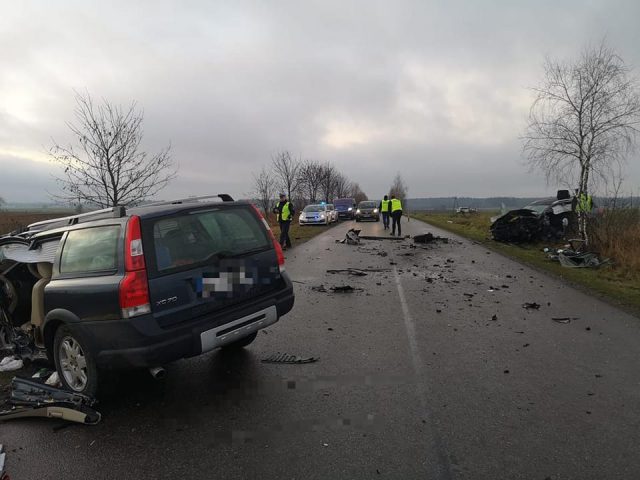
<point>30,398</point>
<point>290,359</point>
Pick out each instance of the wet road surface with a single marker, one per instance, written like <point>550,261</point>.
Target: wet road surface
<point>430,369</point>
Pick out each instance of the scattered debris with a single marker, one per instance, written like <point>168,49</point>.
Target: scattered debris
<point>352,237</point>
<point>429,238</point>
<point>563,319</point>
<point>11,363</point>
<point>349,271</point>
<point>358,272</point>
<point>374,237</point>
<point>30,398</point>
<point>343,289</point>
<point>291,359</point>
<point>531,306</point>
<point>319,288</point>
<point>494,318</point>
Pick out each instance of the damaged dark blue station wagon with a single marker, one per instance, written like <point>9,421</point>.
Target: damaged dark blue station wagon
<point>141,287</point>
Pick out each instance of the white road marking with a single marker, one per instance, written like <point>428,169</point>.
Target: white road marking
<point>440,462</point>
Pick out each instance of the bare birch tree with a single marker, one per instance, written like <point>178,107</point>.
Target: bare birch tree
<point>583,121</point>
<point>264,189</point>
<point>106,167</point>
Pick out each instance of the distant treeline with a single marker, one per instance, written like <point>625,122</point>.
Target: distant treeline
<point>496,203</point>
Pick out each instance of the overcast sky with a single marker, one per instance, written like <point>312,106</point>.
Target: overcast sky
<point>435,90</point>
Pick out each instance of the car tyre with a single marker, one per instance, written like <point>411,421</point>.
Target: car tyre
<point>75,363</point>
<point>241,343</point>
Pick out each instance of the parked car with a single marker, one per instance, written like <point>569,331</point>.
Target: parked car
<point>332,210</point>
<point>368,210</point>
<point>466,210</point>
<point>317,214</point>
<point>346,208</point>
<point>144,286</point>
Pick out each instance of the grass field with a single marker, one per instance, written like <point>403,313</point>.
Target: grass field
<point>12,220</point>
<point>618,283</point>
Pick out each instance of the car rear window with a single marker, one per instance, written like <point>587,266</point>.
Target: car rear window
<point>90,250</point>
<point>197,237</point>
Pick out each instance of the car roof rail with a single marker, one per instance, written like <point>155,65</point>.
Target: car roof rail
<point>118,211</point>
<point>225,197</point>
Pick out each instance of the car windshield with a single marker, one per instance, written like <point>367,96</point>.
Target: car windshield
<point>313,208</point>
<point>537,207</point>
<point>345,202</point>
<point>367,205</point>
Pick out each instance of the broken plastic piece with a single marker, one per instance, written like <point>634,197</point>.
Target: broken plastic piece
<point>563,319</point>
<point>531,306</point>
<point>9,364</point>
<point>285,358</point>
<point>343,289</point>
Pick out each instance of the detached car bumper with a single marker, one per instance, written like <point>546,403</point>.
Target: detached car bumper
<point>139,342</point>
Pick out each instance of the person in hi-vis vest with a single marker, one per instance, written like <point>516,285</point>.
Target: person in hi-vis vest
<point>385,210</point>
<point>284,211</point>
<point>396,215</point>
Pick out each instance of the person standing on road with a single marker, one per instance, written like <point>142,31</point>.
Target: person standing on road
<point>284,211</point>
<point>385,207</point>
<point>396,215</point>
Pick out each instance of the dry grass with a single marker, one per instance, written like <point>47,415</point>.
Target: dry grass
<point>616,234</point>
<point>10,221</point>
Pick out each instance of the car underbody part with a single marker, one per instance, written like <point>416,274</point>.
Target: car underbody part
<point>33,399</point>
<point>352,237</point>
<point>285,358</point>
<point>429,238</point>
<point>3,474</point>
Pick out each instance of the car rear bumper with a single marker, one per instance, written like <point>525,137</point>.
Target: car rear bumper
<point>313,221</point>
<point>140,342</point>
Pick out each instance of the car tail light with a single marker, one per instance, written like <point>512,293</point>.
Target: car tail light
<point>134,294</point>
<point>134,287</point>
<point>276,245</point>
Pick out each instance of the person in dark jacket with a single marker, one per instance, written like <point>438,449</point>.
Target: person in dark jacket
<point>385,209</point>
<point>396,215</point>
<point>284,211</point>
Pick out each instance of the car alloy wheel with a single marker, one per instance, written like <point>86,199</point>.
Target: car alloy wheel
<point>73,364</point>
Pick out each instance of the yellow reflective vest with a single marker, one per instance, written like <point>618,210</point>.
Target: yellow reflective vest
<point>385,206</point>
<point>396,205</point>
<point>285,213</point>
<point>585,203</point>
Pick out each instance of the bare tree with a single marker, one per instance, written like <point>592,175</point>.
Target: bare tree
<point>357,193</point>
<point>311,173</point>
<point>106,167</point>
<point>583,121</point>
<point>342,186</point>
<point>264,189</point>
<point>285,172</point>
<point>399,188</point>
<point>328,182</point>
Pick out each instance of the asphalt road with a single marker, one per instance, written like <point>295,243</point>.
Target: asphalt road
<point>431,370</point>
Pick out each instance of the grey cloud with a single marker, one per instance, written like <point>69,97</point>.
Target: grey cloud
<point>431,89</point>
